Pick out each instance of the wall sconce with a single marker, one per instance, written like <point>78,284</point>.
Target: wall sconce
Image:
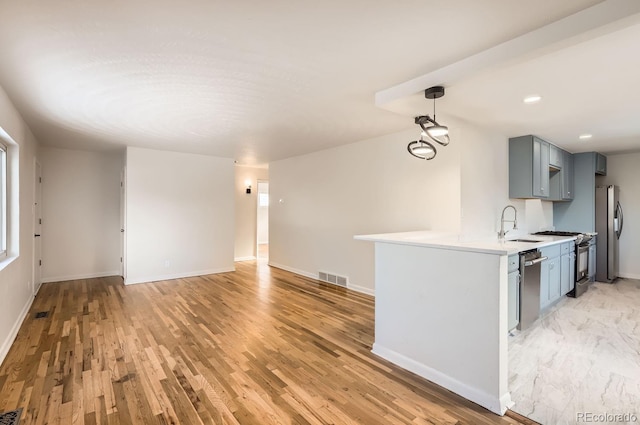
<point>248,184</point>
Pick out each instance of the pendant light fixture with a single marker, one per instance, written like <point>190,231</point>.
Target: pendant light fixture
<point>430,129</point>
<point>422,149</point>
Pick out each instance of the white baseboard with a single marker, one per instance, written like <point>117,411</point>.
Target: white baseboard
<point>132,281</point>
<point>6,344</point>
<point>350,286</point>
<point>80,276</point>
<point>248,258</point>
<point>629,276</point>
<point>495,404</point>
<point>293,270</point>
<point>362,289</point>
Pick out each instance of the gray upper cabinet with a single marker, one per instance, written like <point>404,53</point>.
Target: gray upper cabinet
<point>539,169</point>
<point>556,157</point>
<point>567,181</point>
<point>528,167</point>
<point>601,164</point>
<point>579,214</point>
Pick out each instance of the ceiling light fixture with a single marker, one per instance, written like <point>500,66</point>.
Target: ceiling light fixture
<point>429,128</point>
<point>585,136</point>
<point>532,99</point>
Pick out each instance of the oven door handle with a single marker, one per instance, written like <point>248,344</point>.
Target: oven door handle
<point>536,261</point>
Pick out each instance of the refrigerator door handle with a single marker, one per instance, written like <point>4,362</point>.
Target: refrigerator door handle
<point>619,220</point>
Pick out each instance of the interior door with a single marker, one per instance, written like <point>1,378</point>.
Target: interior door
<point>37,230</point>
<point>123,208</point>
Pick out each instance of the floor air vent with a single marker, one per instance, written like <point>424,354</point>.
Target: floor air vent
<point>10,418</point>
<point>333,278</point>
<point>39,315</point>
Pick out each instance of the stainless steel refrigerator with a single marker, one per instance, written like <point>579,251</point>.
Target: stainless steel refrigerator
<point>609,221</point>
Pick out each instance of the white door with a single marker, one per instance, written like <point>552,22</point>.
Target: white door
<point>123,208</point>
<point>37,230</point>
<point>262,225</point>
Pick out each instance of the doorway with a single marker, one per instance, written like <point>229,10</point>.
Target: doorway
<point>262,226</point>
<point>37,229</point>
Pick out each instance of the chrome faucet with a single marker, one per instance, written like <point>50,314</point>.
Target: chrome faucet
<point>502,232</point>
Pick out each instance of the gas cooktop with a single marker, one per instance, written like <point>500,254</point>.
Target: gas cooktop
<point>557,233</point>
<point>580,237</point>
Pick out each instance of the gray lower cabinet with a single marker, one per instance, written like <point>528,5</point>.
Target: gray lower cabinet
<point>544,284</point>
<point>554,279</point>
<point>556,272</point>
<point>567,267</point>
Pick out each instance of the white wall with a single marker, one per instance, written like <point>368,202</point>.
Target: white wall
<point>246,210</point>
<point>624,170</point>
<point>464,349</point>
<point>16,285</point>
<point>80,213</point>
<point>485,187</point>
<point>321,200</point>
<point>179,215</point>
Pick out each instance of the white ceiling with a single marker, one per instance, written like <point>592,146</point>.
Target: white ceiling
<point>584,66</point>
<point>260,81</point>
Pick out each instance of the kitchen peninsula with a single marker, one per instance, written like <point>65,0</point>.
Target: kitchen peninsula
<point>441,309</point>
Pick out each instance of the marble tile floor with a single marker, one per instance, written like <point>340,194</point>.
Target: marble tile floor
<point>582,357</point>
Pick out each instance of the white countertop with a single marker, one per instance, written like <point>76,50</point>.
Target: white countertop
<point>452,241</point>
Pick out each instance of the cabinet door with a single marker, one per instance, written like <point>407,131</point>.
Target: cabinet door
<point>554,279</point>
<point>544,284</point>
<point>555,156</point>
<point>601,164</point>
<point>514,299</point>
<point>567,176</point>
<point>565,274</point>
<point>540,168</point>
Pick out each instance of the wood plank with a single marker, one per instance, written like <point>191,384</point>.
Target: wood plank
<point>256,346</point>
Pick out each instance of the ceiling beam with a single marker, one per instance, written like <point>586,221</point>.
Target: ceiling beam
<point>603,18</point>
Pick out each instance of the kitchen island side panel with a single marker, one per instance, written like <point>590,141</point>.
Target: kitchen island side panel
<point>442,314</point>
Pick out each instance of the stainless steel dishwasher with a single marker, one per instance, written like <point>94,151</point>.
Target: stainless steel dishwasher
<point>529,287</point>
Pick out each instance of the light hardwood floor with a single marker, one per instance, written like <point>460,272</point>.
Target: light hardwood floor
<point>257,346</point>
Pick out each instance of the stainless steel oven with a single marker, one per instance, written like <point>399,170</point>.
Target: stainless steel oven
<point>582,269</point>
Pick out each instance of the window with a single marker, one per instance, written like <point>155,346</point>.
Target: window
<point>3,201</point>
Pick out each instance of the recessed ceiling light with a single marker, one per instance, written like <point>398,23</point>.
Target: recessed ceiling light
<point>534,98</point>
<point>585,136</point>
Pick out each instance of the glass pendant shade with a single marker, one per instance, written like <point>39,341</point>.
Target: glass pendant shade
<point>422,149</point>
<point>439,134</point>
<point>437,131</point>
